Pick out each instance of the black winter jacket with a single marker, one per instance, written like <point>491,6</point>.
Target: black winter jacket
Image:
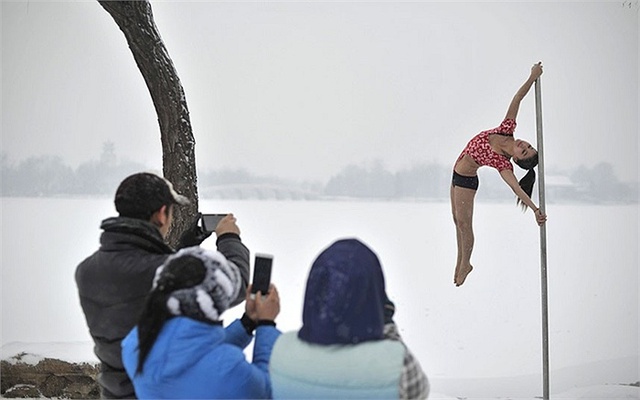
<point>113,284</point>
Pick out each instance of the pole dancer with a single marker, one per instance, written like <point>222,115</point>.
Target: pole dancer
<point>495,148</point>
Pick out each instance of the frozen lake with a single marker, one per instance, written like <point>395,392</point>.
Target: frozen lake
<point>481,339</point>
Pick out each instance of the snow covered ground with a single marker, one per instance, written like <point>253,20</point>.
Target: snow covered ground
<point>79,352</point>
<point>478,341</point>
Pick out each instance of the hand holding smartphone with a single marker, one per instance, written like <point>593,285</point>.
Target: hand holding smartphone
<point>210,221</point>
<point>261,274</point>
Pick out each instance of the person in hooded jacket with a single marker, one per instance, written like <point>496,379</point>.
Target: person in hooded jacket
<point>179,349</point>
<point>114,281</point>
<point>348,346</point>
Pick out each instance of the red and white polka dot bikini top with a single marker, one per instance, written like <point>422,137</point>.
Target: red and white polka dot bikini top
<point>480,150</point>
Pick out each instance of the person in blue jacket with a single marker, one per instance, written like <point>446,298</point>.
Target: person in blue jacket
<point>179,348</point>
<point>348,346</point>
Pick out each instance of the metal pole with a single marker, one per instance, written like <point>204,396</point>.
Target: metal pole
<point>543,247</point>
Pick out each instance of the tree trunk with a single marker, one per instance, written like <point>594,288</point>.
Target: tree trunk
<point>135,19</point>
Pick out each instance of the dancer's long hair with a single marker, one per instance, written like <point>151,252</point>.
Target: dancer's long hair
<point>527,181</point>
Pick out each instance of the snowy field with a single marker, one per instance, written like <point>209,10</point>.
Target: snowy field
<point>482,340</point>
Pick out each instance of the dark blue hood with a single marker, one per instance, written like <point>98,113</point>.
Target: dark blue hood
<point>345,296</point>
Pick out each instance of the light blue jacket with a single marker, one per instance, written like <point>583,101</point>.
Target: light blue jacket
<point>193,359</point>
<point>369,370</point>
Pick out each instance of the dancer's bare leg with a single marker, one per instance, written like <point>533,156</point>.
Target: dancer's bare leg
<point>462,200</point>
<point>458,236</point>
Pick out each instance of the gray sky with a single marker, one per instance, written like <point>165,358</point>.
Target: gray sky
<point>300,90</point>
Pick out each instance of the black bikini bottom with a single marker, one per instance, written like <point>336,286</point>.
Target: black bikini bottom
<point>469,182</point>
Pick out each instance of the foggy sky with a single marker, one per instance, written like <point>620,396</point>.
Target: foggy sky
<point>300,90</point>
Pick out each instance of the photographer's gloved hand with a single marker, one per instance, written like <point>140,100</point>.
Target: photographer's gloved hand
<point>194,235</point>
<point>389,310</point>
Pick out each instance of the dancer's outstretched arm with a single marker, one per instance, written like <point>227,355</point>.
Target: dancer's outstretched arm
<point>512,112</point>
<point>509,177</point>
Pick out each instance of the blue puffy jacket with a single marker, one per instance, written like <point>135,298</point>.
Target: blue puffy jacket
<point>193,359</point>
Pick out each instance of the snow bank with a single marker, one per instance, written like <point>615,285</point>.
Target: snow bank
<point>33,353</point>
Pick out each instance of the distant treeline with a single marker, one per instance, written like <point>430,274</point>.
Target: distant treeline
<point>433,181</point>
<point>47,176</point>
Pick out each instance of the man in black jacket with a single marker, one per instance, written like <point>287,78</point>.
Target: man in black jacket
<point>114,282</point>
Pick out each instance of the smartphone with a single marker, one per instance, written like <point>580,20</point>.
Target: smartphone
<point>210,221</point>
<point>261,273</point>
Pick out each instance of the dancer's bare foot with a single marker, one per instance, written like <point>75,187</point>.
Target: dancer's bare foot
<point>462,273</point>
